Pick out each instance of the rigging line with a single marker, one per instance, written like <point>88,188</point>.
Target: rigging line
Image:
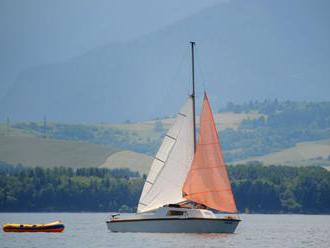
<point>179,68</point>
<point>200,70</point>
<point>175,75</point>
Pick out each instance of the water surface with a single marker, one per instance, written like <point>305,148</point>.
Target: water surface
<point>89,230</point>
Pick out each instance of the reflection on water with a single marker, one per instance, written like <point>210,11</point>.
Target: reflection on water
<point>89,230</point>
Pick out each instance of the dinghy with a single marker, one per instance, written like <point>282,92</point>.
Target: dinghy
<point>56,226</point>
<point>187,181</point>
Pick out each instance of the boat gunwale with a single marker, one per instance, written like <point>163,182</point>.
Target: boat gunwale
<point>162,219</point>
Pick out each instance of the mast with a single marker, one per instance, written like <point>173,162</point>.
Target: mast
<point>193,89</point>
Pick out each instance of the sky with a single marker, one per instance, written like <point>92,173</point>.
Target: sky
<point>36,32</point>
<point>78,60</point>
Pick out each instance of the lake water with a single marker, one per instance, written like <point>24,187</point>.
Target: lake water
<point>89,230</point>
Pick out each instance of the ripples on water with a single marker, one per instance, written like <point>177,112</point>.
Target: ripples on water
<point>89,230</point>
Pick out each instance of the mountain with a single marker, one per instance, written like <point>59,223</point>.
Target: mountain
<point>245,50</point>
<point>45,31</point>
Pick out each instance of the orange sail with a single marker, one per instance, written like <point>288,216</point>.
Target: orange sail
<point>207,181</point>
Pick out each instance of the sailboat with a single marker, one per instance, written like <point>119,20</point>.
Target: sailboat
<point>187,180</point>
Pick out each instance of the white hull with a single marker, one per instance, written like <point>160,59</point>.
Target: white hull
<point>173,220</point>
<point>174,225</point>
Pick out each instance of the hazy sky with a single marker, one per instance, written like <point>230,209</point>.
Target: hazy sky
<point>79,60</point>
<point>45,31</point>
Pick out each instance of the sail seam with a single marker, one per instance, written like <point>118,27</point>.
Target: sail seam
<point>208,192</point>
<point>161,169</point>
<point>203,144</point>
<point>153,194</point>
<point>171,137</point>
<point>211,167</point>
<point>160,160</point>
<point>203,186</point>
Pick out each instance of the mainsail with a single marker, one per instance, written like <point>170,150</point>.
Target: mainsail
<point>207,181</point>
<point>171,164</point>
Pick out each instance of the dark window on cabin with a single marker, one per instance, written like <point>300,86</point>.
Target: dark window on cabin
<point>174,213</point>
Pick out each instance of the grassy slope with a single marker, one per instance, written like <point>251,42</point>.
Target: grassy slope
<point>35,151</point>
<point>222,120</point>
<point>27,147</point>
<point>304,153</point>
<point>127,159</point>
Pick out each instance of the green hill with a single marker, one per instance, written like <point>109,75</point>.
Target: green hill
<point>95,145</point>
<point>128,159</point>
<point>273,132</point>
<point>302,154</point>
<point>45,152</point>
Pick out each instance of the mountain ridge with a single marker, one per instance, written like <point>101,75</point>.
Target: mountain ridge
<point>245,46</point>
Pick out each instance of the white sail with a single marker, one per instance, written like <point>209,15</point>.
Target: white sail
<point>171,164</point>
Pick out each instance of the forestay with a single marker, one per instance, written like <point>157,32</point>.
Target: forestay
<point>171,164</point>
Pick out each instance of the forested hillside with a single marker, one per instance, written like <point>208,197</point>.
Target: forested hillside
<point>269,126</point>
<point>257,189</point>
<point>282,125</point>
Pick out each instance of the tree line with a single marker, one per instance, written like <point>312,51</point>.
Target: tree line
<point>257,189</point>
<point>67,189</point>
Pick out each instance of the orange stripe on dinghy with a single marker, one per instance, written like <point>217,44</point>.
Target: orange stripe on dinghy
<point>26,230</point>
